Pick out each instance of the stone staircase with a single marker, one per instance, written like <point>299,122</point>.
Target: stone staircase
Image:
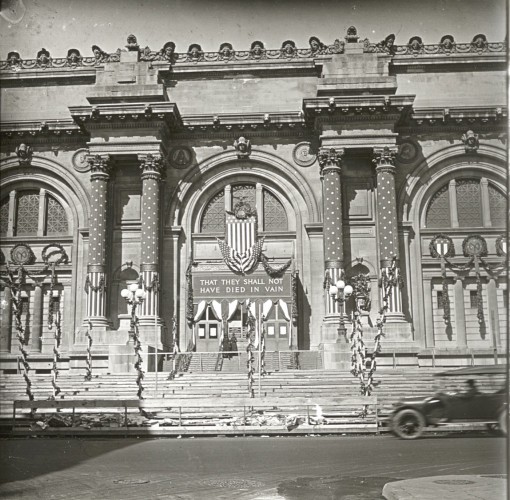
<point>391,384</point>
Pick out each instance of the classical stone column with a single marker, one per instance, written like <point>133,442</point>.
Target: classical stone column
<point>95,284</point>
<point>330,161</point>
<point>387,225</point>
<point>151,167</point>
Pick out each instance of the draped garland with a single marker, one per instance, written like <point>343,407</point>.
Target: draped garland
<point>274,271</point>
<point>138,348</point>
<point>189,299</point>
<point>57,337</point>
<point>250,362</point>
<point>88,367</point>
<point>14,283</point>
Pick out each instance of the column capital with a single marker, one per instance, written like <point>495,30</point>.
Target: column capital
<point>151,165</point>
<point>100,165</point>
<point>384,159</point>
<point>330,158</point>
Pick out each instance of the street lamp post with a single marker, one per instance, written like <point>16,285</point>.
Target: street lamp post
<point>339,292</point>
<point>135,296</point>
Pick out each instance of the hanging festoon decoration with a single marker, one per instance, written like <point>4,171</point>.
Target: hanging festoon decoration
<point>441,246</point>
<point>14,283</point>
<point>250,348</point>
<point>294,285</point>
<point>138,356</point>
<point>274,271</point>
<point>476,247</point>
<point>361,287</point>
<point>54,255</point>
<point>189,299</point>
<point>241,249</point>
<point>88,361</point>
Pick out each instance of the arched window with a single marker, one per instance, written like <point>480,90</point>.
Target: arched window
<point>438,213</point>
<point>272,216</point>
<point>275,217</point>
<point>497,203</point>
<point>213,220</point>
<point>467,203</point>
<point>34,213</point>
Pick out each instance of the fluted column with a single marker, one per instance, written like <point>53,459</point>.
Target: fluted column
<point>151,167</point>
<point>330,161</point>
<point>95,284</point>
<point>387,225</point>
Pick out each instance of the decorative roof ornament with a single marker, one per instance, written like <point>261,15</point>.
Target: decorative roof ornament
<point>43,58</point>
<point>99,54</point>
<point>479,42</point>
<point>415,45</point>
<point>195,52</point>
<point>168,52</point>
<point>288,48</point>
<point>73,57</point>
<point>257,49</point>
<point>24,154</point>
<point>14,59</point>
<point>352,35</point>
<point>447,43</point>
<point>132,44</point>
<point>316,45</point>
<point>388,44</point>
<point>226,51</point>
<point>471,142</point>
<point>243,148</point>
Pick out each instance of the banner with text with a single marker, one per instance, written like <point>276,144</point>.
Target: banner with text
<point>231,286</point>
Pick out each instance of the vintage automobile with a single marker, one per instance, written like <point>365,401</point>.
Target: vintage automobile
<point>483,398</point>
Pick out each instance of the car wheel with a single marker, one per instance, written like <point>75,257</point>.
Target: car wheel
<point>503,422</point>
<point>408,424</point>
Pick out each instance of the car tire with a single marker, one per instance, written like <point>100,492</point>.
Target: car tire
<point>408,424</point>
<point>503,422</point>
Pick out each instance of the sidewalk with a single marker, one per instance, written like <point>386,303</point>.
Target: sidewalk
<point>483,487</point>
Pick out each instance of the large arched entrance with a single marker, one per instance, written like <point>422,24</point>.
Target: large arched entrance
<point>241,257</point>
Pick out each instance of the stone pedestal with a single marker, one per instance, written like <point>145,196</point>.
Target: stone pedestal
<point>121,358</point>
<point>337,356</point>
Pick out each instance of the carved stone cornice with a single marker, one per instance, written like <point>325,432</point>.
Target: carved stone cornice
<point>45,131</point>
<point>354,108</point>
<point>330,159</point>
<point>384,159</point>
<point>126,115</point>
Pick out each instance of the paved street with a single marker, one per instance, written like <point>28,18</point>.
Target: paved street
<point>294,468</point>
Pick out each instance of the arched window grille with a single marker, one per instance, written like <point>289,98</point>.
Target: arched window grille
<point>32,213</point>
<point>438,213</point>
<point>468,203</point>
<point>275,217</point>
<point>272,216</point>
<point>213,220</point>
<point>497,203</point>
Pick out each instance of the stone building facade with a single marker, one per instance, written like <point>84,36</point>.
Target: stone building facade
<point>249,181</point>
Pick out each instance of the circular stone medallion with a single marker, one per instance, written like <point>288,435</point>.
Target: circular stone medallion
<point>80,162</point>
<point>407,152</point>
<point>22,254</point>
<point>302,155</point>
<point>180,157</point>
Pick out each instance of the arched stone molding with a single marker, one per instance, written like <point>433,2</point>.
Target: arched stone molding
<point>488,158</point>
<point>265,166</point>
<point>54,177</point>
<point>437,169</point>
<point>59,182</point>
<point>190,197</point>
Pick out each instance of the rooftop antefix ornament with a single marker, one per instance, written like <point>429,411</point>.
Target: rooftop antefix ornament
<point>241,249</point>
<point>471,142</point>
<point>243,148</point>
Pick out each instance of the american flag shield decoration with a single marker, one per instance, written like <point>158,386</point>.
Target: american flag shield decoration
<point>241,248</point>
